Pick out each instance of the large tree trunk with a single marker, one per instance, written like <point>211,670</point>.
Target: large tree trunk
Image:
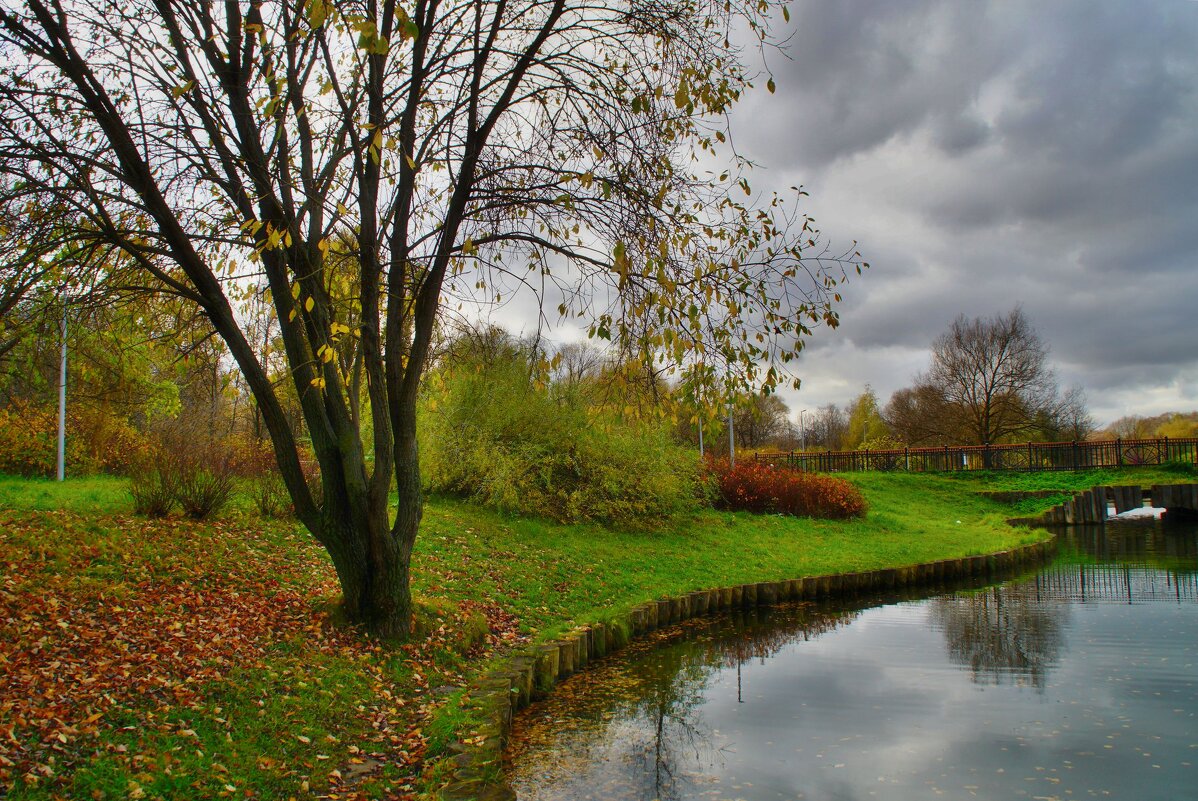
<point>372,555</point>
<point>374,582</point>
<point>373,564</point>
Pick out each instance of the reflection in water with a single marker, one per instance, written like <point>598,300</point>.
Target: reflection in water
<point>676,729</point>
<point>1147,544</point>
<point>1053,686</point>
<point>1003,634</point>
<point>643,710</point>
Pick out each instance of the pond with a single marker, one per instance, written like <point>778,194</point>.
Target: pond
<point>1077,681</point>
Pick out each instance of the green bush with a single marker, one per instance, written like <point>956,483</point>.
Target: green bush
<point>270,494</point>
<point>492,433</point>
<point>204,490</point>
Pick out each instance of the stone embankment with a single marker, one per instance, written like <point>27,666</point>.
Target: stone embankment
<point>532,673</point>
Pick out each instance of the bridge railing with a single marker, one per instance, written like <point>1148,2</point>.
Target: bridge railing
<point>1029,457</point>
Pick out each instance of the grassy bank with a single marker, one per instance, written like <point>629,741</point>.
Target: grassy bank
<point>178,659</point>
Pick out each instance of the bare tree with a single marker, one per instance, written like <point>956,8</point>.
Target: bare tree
<point>463,150</point>
<point>1071,416</point>
<point>760,419</point>
<point>829,427</point>
<point>919,415</point>
<point>989,379</point>
<point>1131,426</point>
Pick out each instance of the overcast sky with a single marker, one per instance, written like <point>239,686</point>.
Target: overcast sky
<point>988,154</point>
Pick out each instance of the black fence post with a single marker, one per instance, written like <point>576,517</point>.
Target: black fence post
<point>1119,451</point>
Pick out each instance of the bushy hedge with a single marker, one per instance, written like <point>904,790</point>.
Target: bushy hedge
<point>754,487</point>
<point>492,433</point>
<point>97,441</point>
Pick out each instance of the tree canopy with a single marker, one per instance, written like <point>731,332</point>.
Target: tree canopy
<point>865,427</point>
<point>369,167</point>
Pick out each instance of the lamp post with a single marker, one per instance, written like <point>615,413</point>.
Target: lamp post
<point>62,399</point>
<point>802,431</point>
<point>731,439</point>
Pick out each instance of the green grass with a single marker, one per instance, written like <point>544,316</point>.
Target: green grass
<point>556,576</point>
<point>1064,484</point>
<point>88,495</point>
<point>78,542</point>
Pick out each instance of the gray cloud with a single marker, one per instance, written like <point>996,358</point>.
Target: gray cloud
<point>994,153</point>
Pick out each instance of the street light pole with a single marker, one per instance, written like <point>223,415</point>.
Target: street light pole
<point>62,401</point>
<point>731,439</point>
<point>802,431</point>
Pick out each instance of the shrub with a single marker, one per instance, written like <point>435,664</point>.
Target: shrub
<point>491,433</point>
<point>198,476</point>
<point>256,464</point>
<point>203,490</point>
<point>754,487</point>
<point>206,472</point>
<point>154,491</point>
<point>270,495</point>
<point>97,441</point>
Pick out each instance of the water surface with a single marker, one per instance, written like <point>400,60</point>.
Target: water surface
<point>1079,681</point>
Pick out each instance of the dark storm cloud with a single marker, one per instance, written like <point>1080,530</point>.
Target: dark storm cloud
<point>989,154</point>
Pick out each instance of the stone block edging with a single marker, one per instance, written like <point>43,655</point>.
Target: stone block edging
<point>531,674</point>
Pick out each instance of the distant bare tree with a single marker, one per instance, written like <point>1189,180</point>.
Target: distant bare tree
<point>1073,419</point>
<point>1169,424</point>
<point>759,420</point>
<point>828,427</point>
<point>919,416</point>
<point>1133,426</point>
<point>993,374</point>
<point>577,363</point>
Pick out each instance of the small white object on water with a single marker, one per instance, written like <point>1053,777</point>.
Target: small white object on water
<point>1143,513</point>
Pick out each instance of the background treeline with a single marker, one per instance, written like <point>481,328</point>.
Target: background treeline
<point>990,382</point>
<point>1169,424</point>
<point>567,432</point>
<point>570,432</point>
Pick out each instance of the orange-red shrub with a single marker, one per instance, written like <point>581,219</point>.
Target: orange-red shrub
<point>754,487</point>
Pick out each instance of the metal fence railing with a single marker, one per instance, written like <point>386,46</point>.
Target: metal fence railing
<point>1030,456</point>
